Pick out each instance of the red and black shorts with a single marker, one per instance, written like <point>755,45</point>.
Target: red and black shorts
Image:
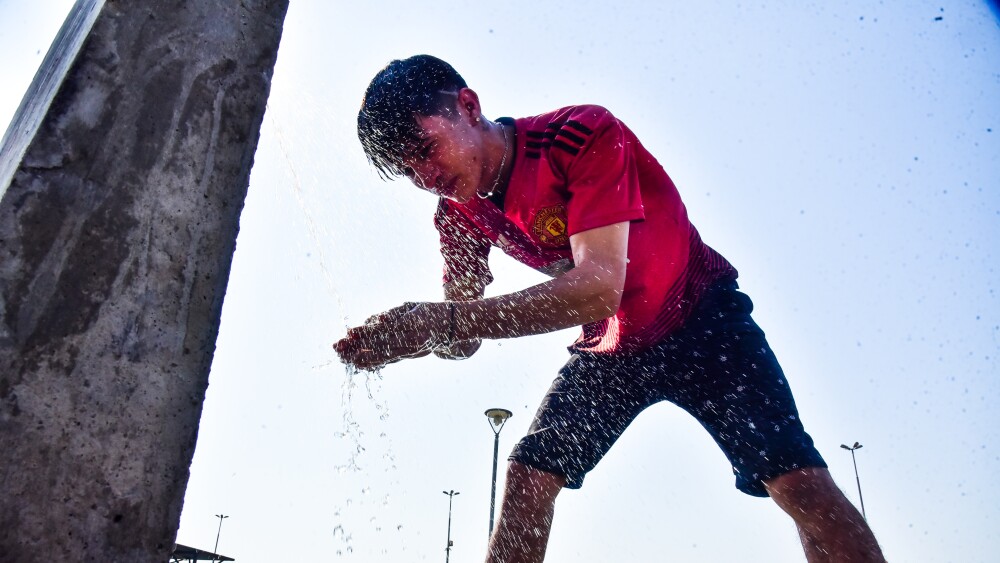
<point>718,367</point>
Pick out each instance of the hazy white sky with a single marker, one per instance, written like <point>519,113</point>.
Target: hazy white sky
<point>845,158</point>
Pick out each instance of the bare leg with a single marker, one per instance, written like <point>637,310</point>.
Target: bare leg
<point>522,531</point>
<point>830,528</point>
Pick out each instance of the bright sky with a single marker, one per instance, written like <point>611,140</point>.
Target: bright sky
<point>844,157</point>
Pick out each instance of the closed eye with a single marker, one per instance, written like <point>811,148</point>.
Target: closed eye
<point>420,154</point>
<point>425,150</point>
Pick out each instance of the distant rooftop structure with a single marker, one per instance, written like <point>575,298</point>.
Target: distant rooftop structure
<point>184,553</point>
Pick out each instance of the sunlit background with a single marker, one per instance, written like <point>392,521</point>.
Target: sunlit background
<point>846,158</point>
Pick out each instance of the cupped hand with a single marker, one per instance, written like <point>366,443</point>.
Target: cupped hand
<point>411,330</point>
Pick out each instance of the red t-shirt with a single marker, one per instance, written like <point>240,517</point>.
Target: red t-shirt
<point>575,169</point>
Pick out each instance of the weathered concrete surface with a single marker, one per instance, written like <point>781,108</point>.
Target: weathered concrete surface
<point>116,238</point>
<point>46,84</point>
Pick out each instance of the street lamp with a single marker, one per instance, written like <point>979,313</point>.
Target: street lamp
<point>497,418</point>
<point>851,449</point>
<point>447,550</point>
<point>215,551</point>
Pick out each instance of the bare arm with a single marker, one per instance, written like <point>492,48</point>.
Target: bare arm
<point>589,292</point>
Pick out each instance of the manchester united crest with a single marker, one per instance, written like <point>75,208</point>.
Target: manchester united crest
<point>550,226</point>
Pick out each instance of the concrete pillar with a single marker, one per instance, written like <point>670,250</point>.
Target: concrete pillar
<point>117,231</point>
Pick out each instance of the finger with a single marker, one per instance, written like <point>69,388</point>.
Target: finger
<point>379,344</point>
<point>370,360</point>
<point>391,315</point>
<point>362,334</point>
<point>381,354</point>
<point>390,337</point>
<point>363,345</point>
<point>353,341</point>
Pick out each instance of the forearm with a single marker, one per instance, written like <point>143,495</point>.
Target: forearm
<point>589,292</point>
<point>578,297</point>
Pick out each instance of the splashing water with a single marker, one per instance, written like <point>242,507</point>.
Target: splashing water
<point>316,232</point>
<point>352,430</point>
<point>362,415</point>
<point>359,411</point>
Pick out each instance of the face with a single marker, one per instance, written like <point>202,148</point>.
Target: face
<point>448,162</point>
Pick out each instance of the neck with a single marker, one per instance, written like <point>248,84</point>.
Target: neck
<point>501,156</point>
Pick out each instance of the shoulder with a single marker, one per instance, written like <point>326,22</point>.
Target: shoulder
<point>570,132</point>
<point>590,116</point>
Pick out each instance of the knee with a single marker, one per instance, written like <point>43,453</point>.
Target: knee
<point>809,491</point>
<point>528,485</point>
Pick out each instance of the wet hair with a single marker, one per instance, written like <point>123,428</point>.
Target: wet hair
<point>387,127</point>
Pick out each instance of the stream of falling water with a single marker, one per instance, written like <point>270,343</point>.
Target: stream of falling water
<point>352,431</point>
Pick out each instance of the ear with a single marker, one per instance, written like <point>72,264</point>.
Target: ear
<point>468,106</point>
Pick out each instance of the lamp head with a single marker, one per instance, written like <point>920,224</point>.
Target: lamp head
<point>498,417</point>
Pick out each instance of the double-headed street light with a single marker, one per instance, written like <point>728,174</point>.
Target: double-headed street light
<point>857,446</point>
<point>447,550</point>
<point>497,418</point>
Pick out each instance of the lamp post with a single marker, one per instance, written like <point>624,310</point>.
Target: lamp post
<point>447,550</point>
<point>497,418</point>
<point>215,550</point>
<point>851,449</point>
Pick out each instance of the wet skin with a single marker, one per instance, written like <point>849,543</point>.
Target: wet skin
<point>460,152</point>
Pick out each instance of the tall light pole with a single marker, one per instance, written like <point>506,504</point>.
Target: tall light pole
<point>857,446</point>
<point>497,418</point>
<point>215,551</point>
<point>447,550</point>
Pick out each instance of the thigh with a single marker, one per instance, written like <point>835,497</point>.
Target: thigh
<point>584,412</point>
<point>732,383</point>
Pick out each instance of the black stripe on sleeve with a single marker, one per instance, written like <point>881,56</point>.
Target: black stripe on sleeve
<point>566,134</point>
<point>579,127</point>
<point>566,147</point>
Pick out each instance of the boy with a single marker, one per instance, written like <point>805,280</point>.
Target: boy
<point>574,194</point>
